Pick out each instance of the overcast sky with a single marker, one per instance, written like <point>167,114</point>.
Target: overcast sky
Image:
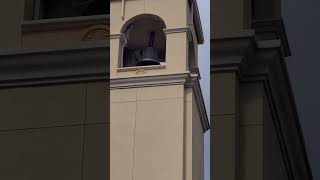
<point>302,20</point>
<point>204,66</point>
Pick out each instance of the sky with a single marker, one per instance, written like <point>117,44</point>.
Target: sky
<point>204,66</point>
<point>302,21</point>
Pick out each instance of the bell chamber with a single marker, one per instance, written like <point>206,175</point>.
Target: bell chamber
<point>145,42</point>
<point>149,54</point>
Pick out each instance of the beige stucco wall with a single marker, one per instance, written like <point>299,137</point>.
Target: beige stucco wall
<point>147,133</point>
<point>156,133</point>
<point>194,144</point>
<point>197,145</point>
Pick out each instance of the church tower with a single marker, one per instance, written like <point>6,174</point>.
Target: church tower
<point>157,113</point>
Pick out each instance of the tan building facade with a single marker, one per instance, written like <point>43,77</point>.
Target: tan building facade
<point>156,107</point>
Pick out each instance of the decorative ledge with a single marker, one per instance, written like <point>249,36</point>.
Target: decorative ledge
<point>269,29</point>
<point>137,68</point>
<point>64,23</point>
<point>166,31</point>
<point>149,80</point>
<point>176,30</point>
<point>235,35</point>
<point>186,79</point>
<point>28,67</point>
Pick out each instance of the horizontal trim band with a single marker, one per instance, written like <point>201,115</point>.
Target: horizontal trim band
<point>64,23</point>
<point>166,31</point>
<point>49,65</point>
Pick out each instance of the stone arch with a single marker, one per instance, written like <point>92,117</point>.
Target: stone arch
<point>96,32</point>
<point>143,41</point>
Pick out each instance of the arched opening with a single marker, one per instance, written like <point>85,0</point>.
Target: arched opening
<point>143,42</point>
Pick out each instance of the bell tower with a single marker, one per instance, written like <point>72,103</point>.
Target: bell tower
<point>157,113</point>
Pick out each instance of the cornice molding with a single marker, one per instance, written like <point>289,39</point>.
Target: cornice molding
<point>30,67</point>
<point>176,30</point>
<point>240,44</point>
<point>149,80</point>
<point>269,29</point>
<point>249,33</point>
<point>198,25</point>
<point>198,96</point>
<point>166,31</point>
<point>115,36</point>
<point>186,79</point>
<point>63,23</point>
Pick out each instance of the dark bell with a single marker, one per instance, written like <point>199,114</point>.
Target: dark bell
<point>149,57</point>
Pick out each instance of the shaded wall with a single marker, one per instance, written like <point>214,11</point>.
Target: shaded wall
<point>54,132</point>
